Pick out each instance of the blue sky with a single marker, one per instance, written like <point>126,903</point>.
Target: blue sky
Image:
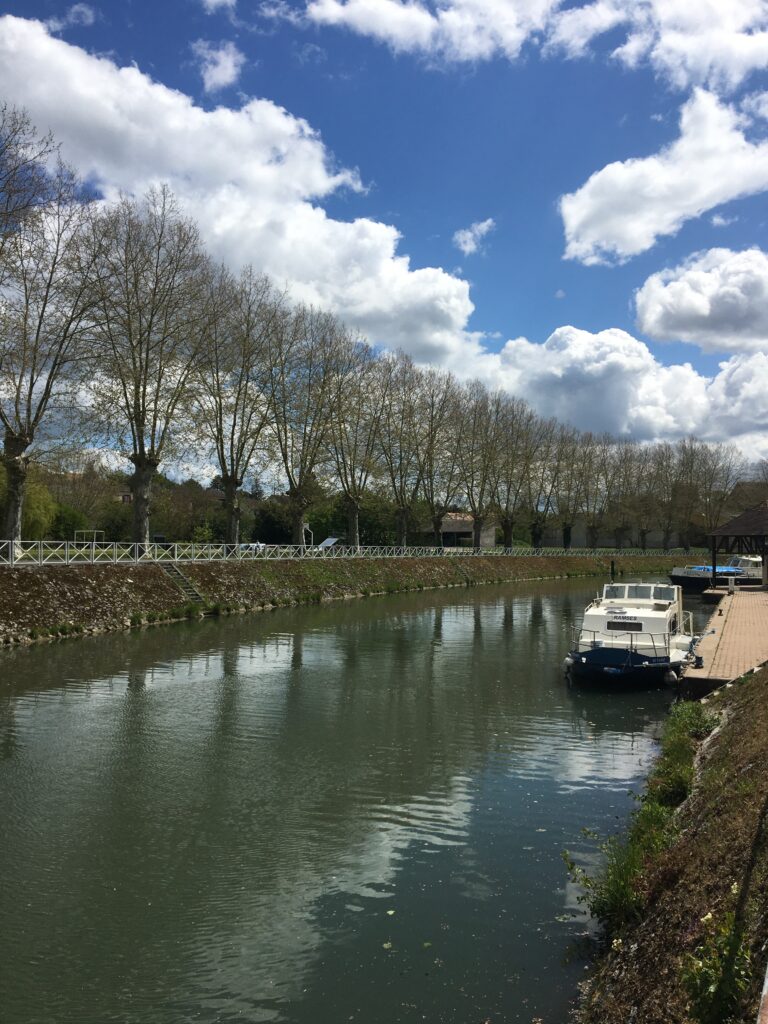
<point>619,177</point>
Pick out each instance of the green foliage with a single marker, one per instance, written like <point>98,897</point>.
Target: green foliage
<point>718,972</point>
<point>272,521</point>
<point>202,533</point>
<point>616,897</point>
<point>66,521</point>
<point>115,519</point>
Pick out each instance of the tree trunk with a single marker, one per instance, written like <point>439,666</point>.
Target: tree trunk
<point>437,530</point>
<point>297,527</point>
<point>537,532</point>
<point>144,470</point>
<point>592,532</point>
<point>567,534</point>
<point>643,539</point>
<point>507,525</point>
<point>477,529</point>
<point>16,465</point>
<point>232,505</point>
<point>353,523</point>
<point>666,538</point>
<point>402,527</point>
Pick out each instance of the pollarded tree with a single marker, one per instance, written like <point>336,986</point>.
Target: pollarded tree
<point>361,386</point>
<point>400,435</point>
<point>305,351</point>
<point>544,476</point>
<point>438,457</point>
<point>567,496</point>
<point>47,297</point>
<point>152,311</point>
<point>515,455</point>
<point>478,445</point>
<point>230,383</point>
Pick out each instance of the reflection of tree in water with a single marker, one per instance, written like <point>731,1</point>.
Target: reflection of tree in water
<point>228,801</point>
<point>9,740</point>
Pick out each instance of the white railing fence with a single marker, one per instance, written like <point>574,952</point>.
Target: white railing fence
<point>43,552</point>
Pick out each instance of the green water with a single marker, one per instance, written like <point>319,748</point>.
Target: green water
<point>345,813</point>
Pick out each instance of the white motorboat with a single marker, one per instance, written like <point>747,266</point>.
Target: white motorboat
<point>634,632</point>
<point>746,570</point>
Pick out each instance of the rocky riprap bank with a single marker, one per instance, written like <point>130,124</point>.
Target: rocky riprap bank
<point>39,602</point>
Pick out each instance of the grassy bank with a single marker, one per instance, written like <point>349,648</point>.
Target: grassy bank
<point>684,896</point>
<point>42,602</point>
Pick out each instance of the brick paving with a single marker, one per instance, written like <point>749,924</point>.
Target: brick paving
<point>741,638</point>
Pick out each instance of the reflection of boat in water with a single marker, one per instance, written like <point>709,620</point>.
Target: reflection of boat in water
<point>634,632</point>
<point>746,570</point>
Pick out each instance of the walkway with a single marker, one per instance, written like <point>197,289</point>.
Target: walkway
<point>740,641</point>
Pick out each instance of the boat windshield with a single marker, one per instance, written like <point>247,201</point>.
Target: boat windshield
<point>663,593</point>
<point>614,592</point>
<point>640,592</point>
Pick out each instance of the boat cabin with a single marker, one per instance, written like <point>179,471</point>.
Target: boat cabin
<point>638,616</point>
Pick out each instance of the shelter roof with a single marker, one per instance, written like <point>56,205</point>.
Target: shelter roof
<point>752,523</point>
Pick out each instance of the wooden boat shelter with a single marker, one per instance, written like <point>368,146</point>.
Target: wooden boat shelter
<point>745,534</point>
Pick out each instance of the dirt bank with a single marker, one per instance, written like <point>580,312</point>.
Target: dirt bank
<point>698,953</point>
<point>38,602</point>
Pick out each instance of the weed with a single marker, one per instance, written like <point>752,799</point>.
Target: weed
<point>718,972</point>
<point>615,897</point>
<point>136,619</point>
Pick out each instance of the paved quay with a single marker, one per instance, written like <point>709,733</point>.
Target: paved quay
<point>740,641</point>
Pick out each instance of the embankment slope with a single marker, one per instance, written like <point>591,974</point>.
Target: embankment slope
<point>38,600</point>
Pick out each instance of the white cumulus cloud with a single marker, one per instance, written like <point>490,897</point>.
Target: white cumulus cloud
<point>77,14</point>
<point>220,66</point>
<point>611,381</point>
<point>717,300</point>
<point>468,239</point>
<point>454,30</point>
<point>253,177</point>
<point>216,5</point>
<point>623,209</point>
<point>716,43</point>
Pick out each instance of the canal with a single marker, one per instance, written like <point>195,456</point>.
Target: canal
<point>351,812</point>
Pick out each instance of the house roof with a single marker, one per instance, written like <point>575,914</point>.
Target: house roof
<point>752,523</point>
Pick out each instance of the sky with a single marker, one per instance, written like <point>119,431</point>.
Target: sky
<point>564,198</point>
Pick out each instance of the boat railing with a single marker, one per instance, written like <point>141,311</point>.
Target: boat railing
<point>657,645</point>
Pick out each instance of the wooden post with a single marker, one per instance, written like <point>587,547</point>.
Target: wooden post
<point>714,562</point>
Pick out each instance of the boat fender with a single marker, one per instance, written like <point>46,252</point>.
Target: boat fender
<point>567,663</point>
<point>670,677</point>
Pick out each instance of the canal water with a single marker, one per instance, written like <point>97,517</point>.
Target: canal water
<point>353,812</point>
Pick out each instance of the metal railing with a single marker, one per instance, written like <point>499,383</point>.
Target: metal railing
<point>637,641</point>
<point>43,552</point>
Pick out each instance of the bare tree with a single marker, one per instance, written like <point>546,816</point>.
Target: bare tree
<point>361,389</point>
<point>46,296</point>
<point>477,447</point>
<point>230,384</point>
<point>152,311</point>
<point>400,437</point>
<point>720,467</point>
<point>515,454</point>
<point>543,477</point>
<point>304,353</point>
<point>25,184</point>
<point>437,452</point>
<point>567,495</point>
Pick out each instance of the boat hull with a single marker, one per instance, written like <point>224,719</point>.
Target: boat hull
<point>698,583</point>
<point>614,665</point>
